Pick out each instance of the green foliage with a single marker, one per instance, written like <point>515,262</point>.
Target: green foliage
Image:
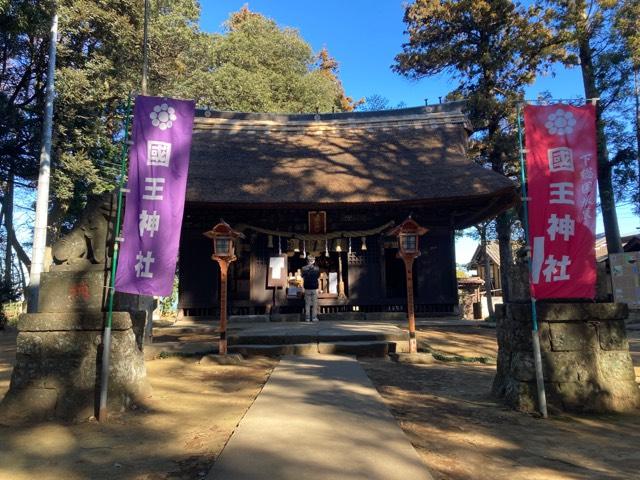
<point>627,24</point>
<point>168,304</point>
<point>603,37</point>
<point>259,67</point>
<point>24,25</point>
<point>493,49</point>
<point>254,66</point>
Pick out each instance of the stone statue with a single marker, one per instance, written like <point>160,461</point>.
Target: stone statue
<point>59,352</point>
<point>87,243</point>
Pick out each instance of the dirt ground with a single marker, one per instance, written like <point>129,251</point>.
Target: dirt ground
<point>445,409</point>
<point>462,433</point>
<point>176,434</point>
<point>459,343</point>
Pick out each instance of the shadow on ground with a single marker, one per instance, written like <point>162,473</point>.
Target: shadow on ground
<point>444,408</point>
<point>462,433</point>
<point>176,434</point>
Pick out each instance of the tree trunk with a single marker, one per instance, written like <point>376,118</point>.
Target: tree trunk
<point>605,183</point>
<point>636,91</point>
<point>23,280</point>
<point>503,229</point>
<point>487,274</point>
<point>503,221</point>
<point>22,255</point>
<point>8,223</point>
<point>2,209</point>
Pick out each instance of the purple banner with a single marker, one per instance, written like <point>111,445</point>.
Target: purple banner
<point>158,165</point>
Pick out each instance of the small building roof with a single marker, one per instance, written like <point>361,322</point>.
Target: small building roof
<point>493,251</point>
<point>630,243</point>
<point>413,156</point>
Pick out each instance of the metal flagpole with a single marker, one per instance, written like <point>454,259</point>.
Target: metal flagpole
<point>542,398</point>
<point>106,338</point>
<point>42,196</point>
<point>145,48</point>
<point>142,304</point>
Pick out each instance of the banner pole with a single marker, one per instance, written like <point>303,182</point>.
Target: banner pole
<point>535,336</point>
<point>106,338</point>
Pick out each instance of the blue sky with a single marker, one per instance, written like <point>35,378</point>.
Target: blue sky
<point>364,36</point>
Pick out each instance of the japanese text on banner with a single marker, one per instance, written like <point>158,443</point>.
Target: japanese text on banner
<point>158,166</point>
<point>561,178</point>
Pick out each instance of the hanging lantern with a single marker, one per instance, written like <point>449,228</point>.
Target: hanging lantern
<point>408,242</point>
<point>296,245</point>
<point>408,233</point>
<point>349,245</point>
<point>270,241</point>
<point>304,249</point>
<point>326,247</point>
<point>364,244</point>
<point>223,238</point>
<point>279,245</point>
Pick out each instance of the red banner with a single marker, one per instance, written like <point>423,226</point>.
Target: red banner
<point>562,176</point>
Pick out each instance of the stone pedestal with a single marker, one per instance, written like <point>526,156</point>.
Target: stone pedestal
<point>58,364</point>
<point>85,291</point>
<point>469,294</point>
<point>585,357</point>
<point>59,351</point>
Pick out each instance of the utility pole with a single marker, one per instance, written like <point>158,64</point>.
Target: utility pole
<point>42,196</point>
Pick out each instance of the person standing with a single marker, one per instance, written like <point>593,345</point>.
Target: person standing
<point>310,276</point>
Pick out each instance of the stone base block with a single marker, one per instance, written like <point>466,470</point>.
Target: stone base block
<point>233,319</point>
<point>413,358</point>
<point>73,291</point>
<point>286,317</point>
<point>252,350</point>
<point>342,317</point>
<point>58,361</point>
<point>386,316</point>
<point>585,357</point>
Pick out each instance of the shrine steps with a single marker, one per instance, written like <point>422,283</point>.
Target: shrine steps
<point>339,338</point>
<point>278,339</point>
<point>364,349</point>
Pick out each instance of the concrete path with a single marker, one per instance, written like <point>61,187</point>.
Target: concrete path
<point>318,418</point>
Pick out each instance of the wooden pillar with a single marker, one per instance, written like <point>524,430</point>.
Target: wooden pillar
<point>413,344</point>
<point>341,293</point>
<point>224,268</point>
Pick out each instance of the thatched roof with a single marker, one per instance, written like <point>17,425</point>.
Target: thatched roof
<point>407,156</point>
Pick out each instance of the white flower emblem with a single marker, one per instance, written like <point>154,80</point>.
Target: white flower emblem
<point>560,122</point>
<point>163,116</point>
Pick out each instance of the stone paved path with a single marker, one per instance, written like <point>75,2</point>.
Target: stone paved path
<point>318,418</point>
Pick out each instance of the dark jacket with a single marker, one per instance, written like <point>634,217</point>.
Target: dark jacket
<point>310,275</point>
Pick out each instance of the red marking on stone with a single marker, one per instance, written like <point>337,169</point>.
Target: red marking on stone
<point>80,290</point>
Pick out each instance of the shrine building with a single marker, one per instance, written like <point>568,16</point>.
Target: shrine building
<point>332,185</point>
